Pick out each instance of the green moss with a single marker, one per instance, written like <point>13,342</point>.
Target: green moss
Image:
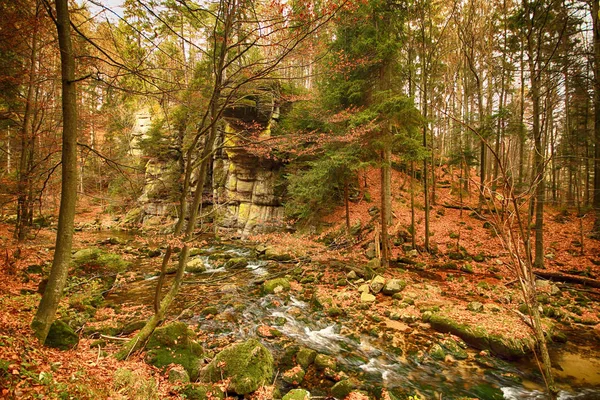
<point>134,386</point>
<point>249,365</point>
<point>61,336</point>
<point>93,259</point>
<point>200,391</point>
<point>305,357</point>
<point>271,286</point>
<point>323,361</point>
<point>479,338</point>
<point>175,344</point>
<point>437,352</point>
<point>343,388</point>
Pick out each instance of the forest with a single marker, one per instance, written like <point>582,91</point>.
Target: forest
<point>300,199</point>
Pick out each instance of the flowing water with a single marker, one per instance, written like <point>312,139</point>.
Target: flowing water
<point>397,360</point>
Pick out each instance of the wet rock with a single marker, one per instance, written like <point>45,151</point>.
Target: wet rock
<point>343,388</point>
<point>195,266</point>
<point>366,297</point>
<point>178,374</point>
<point>377,284</point>
<point>276,285</point>
<point>266,331</point>
<point>297,394</point>
<point>475,306</point>
<point>294,376</point>
<point>323,362</point>
<point>393,286</point>
<point>248,364</point>
<point>175,344</point>
<point>202,391</point>
<point>305,357</point>
<point>61,336</point>
<point>236,263</point>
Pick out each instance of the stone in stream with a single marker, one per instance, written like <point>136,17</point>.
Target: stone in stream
<point>343,388</point>
<point>248,364</point>
<point>323,362</point>
<point>175,344</point>
<point>195,266</point>
<point>236,263</point>
<point>305,357</point>
<point>393,286</point>
<point>276,285</point>
<point>294,376</point>
<point>297,394</point>
<point>377,284</point>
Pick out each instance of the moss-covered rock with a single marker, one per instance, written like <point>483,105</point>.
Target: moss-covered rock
<point>294,376</point>
<point>394,286</point>
<point>297,394</point>
<point>305,357</point>
<point>437,352</point>
<point>323,361</point>
<point>276,285</point>
<point>93,260</point>
<point>61,336</point>
<point>175,344</point>
<point>248,364</point>
<point>135,386</point>
<point>201,391</point>
<point>478,337</point>
<point>273,253</point>
<point>236,263</point>
<point>343,388</point>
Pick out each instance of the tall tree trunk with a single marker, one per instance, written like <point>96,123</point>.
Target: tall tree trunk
<point>596,197</point>
<point>62,255</point>
<point>385,197</point>
<point>24,189</point>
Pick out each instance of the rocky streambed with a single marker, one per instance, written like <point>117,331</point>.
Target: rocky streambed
<point>254,315</point>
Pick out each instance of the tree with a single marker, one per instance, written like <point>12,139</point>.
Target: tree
<point>62,254</point>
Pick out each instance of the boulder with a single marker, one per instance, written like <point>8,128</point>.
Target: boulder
<point>175,344</point>
<point>367,297</point>
<point>61,336</point>
<point>377,284</point>
<point>249,365</point>
<point>393,286</point>
<point>294,376</point>
<point>195,266</point>
<point>323,362</point>
<point>236,263</point>
<point>201,391</point>
<point>178,374</point>
<point>276,285</point>
<point>305,357</point>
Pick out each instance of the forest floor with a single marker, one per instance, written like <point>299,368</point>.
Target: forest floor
<point>468,265</point>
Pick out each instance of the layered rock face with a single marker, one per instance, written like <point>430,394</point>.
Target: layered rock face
<point>243,193</point>
<point>245,184</point>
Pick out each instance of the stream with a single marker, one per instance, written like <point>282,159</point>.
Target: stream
<point>396,359</point>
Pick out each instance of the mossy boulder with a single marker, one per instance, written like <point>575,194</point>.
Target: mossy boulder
<point>93,260</point>
<point>297,394</point>
<point>394,286</point>
<point>437,352</point>
<point>201,391</point>
<point>175,344</point>
<point>305,357</point>
<point>276,285</point>
<point>323,362</point>
<point>343,388</point>
<point>61,336</point>
<point>236,263</point>
<point>134,385</point>
<point>294,376</point>
<point>195,266</point>
<point>248,364</point>
<point>478,337</point>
